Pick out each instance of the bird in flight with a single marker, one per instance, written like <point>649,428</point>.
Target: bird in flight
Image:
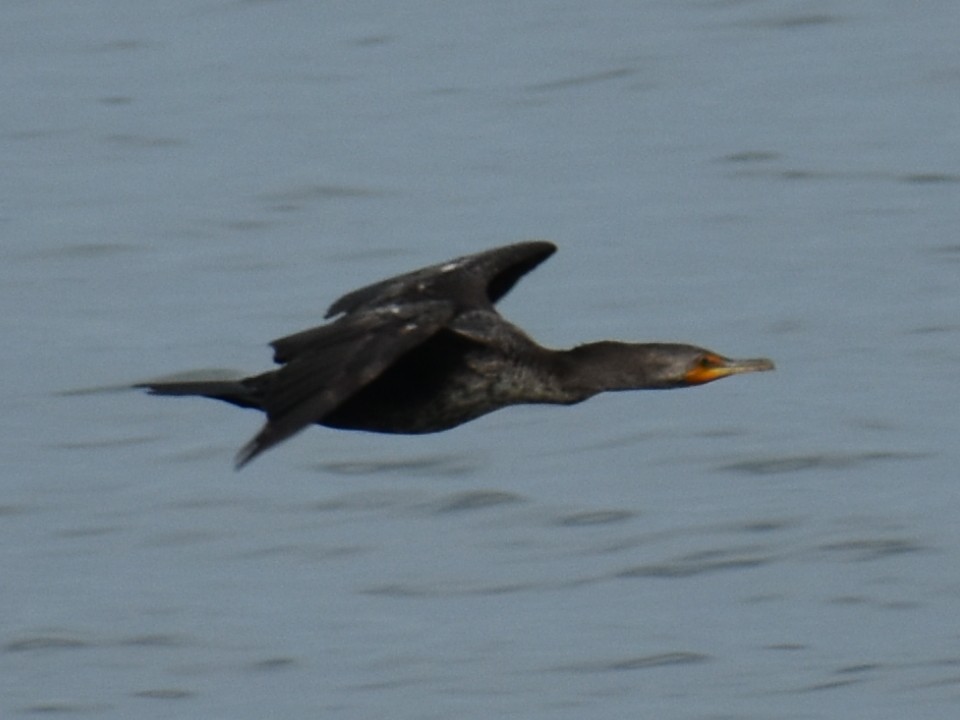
<point>427,350</point>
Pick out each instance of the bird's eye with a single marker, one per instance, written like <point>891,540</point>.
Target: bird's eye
<point>708,362</point>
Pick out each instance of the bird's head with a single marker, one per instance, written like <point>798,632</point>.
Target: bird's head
<point>609,365</point>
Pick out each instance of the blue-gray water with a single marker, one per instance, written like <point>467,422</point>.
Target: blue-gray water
<point>184,181</point>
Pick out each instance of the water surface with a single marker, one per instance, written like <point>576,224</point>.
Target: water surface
<point>184,182</point>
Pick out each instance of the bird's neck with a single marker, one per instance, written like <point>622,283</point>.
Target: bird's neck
<point>598,367</point>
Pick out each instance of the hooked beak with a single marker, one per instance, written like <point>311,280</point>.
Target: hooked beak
<point>713,367</point>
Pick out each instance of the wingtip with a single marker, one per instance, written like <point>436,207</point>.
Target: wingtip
<point>247,453</point>
<point>261,442</point>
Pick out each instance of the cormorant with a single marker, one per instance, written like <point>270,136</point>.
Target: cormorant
<point>426,351</point>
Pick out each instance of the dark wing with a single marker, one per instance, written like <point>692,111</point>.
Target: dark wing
<point>326,365</point>
<point>486,327</point>
<point>473,280</point>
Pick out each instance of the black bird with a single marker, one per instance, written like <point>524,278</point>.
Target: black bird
<point>426,351</point>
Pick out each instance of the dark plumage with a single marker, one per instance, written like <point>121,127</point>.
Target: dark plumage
<point>427,351</point>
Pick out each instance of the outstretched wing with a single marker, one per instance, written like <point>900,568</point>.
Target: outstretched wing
<point>472,280</point>
<point>326,365</point>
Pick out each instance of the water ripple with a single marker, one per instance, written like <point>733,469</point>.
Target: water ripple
<point>476,500</point>
<point>643,662</point>
<point>826,461</point>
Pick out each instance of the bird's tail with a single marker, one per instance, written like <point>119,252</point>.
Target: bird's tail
<point>242,393</point>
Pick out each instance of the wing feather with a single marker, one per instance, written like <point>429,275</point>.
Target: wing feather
<point>324,366</point>
<point>479,279</point>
